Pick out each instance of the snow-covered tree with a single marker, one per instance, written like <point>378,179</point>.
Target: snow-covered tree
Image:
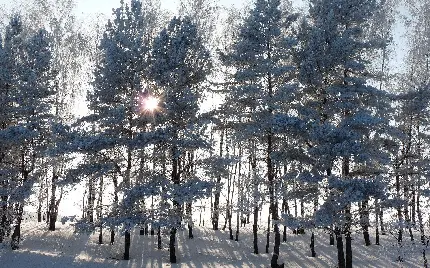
<point>27,91</point>
<point>179,66</point>
<point>116,115</point>
<point>344,113</point>
<point>261,87</point>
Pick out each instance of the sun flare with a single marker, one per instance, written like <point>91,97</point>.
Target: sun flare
<point>150,104</point>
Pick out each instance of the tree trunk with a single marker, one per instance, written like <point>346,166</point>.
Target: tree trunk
<point>254,229</point>
<point>406,207</point>
<point>312,245</point>
<point>275,256</point>
<point>52,206</point>
<point>365,221</point>
<point>215,215</point>
<point>285,209</point>
<point>172,245</point>
<point>348,249</point>
<point>3,222</point>
<point>91,200</point>
<point>400,218</point>
<point>100,210</point>
<point>340,253</point>
<point>381,220</point>
<point>159,245</point>
<point>190,220</point>
<point>116,200</point>
<point>112,236</point>
<point>127,243</point>
<point>377,213</point>
<point>348,219</point>
<point>268,233</point>
<point>331,236</point>
<point>16,235</point>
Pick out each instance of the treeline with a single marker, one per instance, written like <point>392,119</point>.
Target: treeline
<point>265,105</point>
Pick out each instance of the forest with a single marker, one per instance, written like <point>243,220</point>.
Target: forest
<point>290,121</point>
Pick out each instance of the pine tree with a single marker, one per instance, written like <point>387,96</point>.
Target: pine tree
<point>28,97</point>
<point>261,58</point>
<point>344,112</point>
<point>179,65</point>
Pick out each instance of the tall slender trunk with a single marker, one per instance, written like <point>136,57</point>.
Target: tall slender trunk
<point>175,175</point>
<point>239,197</point>
<point>348,218</point>
<point>159,245</point>
<point>172,242</point>
<point>114,209</point>
<point>255,229</point>
<point>365,221</point>
<point>312,245</point>
<point>377,213</point>
<point>3,220</point>
<point>215,215</point>
<point>228,216</point>
<point>127,242</point>
<point>268,232</point>
<point>54,203</point>
<point>230,207</point>
<point>91,200</point>
<point>16,235</point>
<point>339,244</point>
<point>100,210</point>
<point>285,210</point>
<point>400,218</point>
<point>406,196</point>
<point>190,220</point>
<point>253,164</point>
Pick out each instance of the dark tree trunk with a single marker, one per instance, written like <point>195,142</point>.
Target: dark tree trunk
<point>406,208</point>
<point>275,256</point>
<point>16,235</point>
<point>348,249</point>
<point>331,236</point>
<point>340,253</point>
<point>116,200</point>
<point>3,222</point>
<point>172,245</point>
<point>39,212</point>
<point>52,206</point>
<point>284,234</point>
<point>159,245</point>
<point>255,229</point>
<point>348,219</point>
<point>365,222</point>
<point>127,245</point>
<point>215,215</point>
<point>268,233</point>
<point>100,210</point>
<point>377,208</point>
<point>286,210</point>
<point>91,200</point>
<point>400,218</point>
<point>312,245</point>
<point>112,236</point>
<point>100,234</point>
<point>237,225</point>
<point>190,231</point>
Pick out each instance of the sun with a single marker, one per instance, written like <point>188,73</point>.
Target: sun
<point>149,104</point>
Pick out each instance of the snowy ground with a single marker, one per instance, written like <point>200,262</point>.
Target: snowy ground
<point>63,248</point>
